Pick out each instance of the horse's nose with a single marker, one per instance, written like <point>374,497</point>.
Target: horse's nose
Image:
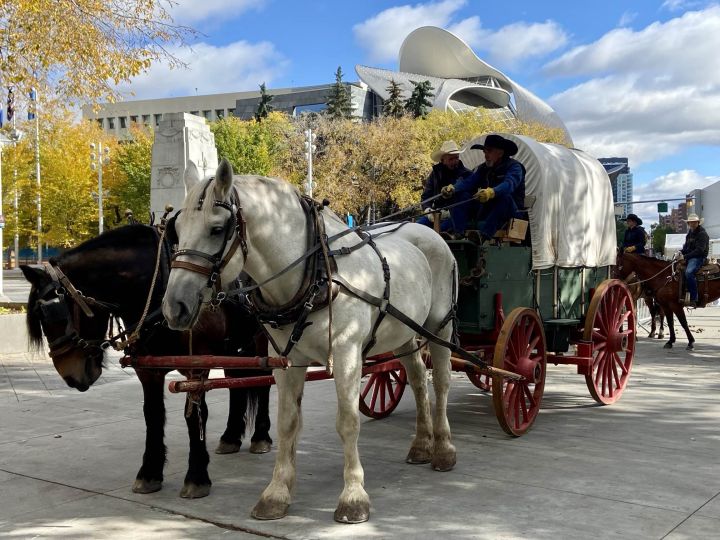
<point>73,383</point>
<point>177,314</point>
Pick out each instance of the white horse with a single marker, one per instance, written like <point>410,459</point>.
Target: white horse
<point>422,270</point>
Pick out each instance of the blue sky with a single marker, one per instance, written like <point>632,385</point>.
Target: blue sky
<point>634,78</point>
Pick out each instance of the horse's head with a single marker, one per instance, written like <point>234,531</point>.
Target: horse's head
<point>73,337</point>
<point>623,265</point>
<point>211,245</point>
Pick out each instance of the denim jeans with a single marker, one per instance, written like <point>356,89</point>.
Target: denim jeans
<point>692,266</point>
<point>493,214</point>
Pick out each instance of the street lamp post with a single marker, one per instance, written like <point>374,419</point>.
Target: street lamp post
<point>96,162</point>
<point>309,150</point>
<point>15,136</point>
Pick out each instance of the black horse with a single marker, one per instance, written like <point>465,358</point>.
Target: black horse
<point>111,276</point>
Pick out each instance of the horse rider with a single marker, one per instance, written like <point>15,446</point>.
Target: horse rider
<point>496,189</point>
<point>694,251</point>
<point>447,170</point>
<point>635,236</point>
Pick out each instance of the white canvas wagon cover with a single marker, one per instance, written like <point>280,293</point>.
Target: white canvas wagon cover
<point>572,222</point>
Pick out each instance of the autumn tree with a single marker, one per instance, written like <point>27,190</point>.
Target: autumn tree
<point>264,107</point>
<point>393,105</point>
<point>419,102</point>
<point>81,49</point>
<point>339,104</point>
<point>134,159</point>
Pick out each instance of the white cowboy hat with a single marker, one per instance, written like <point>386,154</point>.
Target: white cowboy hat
<point>694,217</point>
<point>448,147</point>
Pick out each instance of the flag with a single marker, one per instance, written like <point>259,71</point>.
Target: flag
<point>33,99</point>
<point>10,104</point>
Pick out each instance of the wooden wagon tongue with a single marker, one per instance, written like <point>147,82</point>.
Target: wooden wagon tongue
<point>206,362</point>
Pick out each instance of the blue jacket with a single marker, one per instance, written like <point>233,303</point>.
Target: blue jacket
<point>635,237</point>
<point>506,178</point>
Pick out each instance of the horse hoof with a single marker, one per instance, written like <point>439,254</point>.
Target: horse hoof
<point>266,510</point>
<point>227,448</point>
<point>667,346</point>
<point>444,462</point>
<point>146,486</point>
<point>260,447</point>
<point>194,491</point>
<point>690,347</point>
<point>358,512</point>
<point>418,456</point>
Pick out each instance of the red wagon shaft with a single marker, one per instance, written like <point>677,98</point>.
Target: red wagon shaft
<point>205,362</point>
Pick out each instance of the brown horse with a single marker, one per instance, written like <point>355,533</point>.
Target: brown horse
<point>663,280</point>
<point>657,314</point>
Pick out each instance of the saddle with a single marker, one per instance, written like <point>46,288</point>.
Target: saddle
<point>709,270</point>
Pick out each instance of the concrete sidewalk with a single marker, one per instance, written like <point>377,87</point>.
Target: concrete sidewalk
<point>646,467</point>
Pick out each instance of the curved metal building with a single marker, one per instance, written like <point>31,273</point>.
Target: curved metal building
<point>461,80</point>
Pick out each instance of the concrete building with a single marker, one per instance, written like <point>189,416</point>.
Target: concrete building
<point>707,206</point>
<point>622,182</point>
<point>675,218</point>
<point>461,81</point>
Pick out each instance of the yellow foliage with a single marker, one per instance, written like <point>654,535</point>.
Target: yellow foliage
<point>78,48</point>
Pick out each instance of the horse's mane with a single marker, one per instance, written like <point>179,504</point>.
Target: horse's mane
<point>109,239</point>
<point>133,234</point>
<point>32,321</point>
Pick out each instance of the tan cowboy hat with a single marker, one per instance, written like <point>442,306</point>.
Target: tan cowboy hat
<point>448,147</point>
<point>694,217</point>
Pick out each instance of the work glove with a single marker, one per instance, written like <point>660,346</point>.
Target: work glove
<point>484,195</point>
<point>629,249</point>
<point>679,256</point>
<point>448,191</point>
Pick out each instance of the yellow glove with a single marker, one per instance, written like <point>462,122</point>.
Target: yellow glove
<point>448,191</point>
<point>484,195</point>
<point>629,249</point>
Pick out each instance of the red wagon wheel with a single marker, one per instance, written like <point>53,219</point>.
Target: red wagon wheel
<point>381,391</point>
<point>610,325</point>
<point>520,349</point>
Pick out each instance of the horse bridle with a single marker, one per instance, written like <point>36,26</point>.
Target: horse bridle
<point>57,310</point>
<point>234,229</point>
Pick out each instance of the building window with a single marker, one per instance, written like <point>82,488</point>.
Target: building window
<point>111,123</point>
<point>219,113</point>
<point>146,119</point>
<point>231,112</point>
<point>101,123</point>
<point>133,119</point>
<point>123,122</point>
<point>158,117</point>
<point>309,108</point>
<point>207,115</point>
<point>195,113</point>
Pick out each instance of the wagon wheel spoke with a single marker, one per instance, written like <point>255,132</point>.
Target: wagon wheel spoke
<point>368,386</point>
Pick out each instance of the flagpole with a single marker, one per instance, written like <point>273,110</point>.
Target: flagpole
<point>37,176</point>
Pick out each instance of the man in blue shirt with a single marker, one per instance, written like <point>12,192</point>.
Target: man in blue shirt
<point>497,188</point>
<point>635,237</point>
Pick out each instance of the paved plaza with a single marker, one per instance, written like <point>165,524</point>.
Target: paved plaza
<point>647,467</point>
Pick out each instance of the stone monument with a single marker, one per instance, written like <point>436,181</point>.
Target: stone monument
<point>179,138</point>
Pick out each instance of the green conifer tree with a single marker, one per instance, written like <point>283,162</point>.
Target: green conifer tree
<point>264,107</point>
<point>419,102</point>
<point>393,105</point>
<point>338,103</point>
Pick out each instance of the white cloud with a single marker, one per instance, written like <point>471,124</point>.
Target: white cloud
<point>649,93</point>
<point>383,34</point>
<point>522,40</point>
<point>678,5</point>
<point>236,67</point>
<point>672,185</point>
<point>193,11</point>
<point>627,18</point>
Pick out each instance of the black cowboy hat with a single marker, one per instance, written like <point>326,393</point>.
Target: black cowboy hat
<point>496,141</point>
<point>634,218</point>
